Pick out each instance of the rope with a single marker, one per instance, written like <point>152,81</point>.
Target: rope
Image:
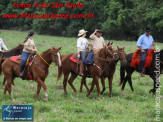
<point>42,58</point>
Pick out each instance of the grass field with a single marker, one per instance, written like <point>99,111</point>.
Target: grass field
<point>122,107</point>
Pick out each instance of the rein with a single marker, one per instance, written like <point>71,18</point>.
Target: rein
<point>42,58</point>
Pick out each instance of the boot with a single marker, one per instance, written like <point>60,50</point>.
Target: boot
<point>21,71</point>
<point>143,73</point>
<point>81,69</point>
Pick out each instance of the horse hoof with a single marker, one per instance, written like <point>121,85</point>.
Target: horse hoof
<point>45,99</point>
<point>110,95</point>
<point>122,90</point>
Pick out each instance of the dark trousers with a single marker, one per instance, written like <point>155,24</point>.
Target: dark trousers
<point>143,56</point>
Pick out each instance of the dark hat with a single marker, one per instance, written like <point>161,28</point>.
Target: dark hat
<point>31,32</point>
<point>99,30</point>
<point>148,29</point>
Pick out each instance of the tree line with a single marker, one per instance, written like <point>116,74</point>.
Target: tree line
<point>119,19</point>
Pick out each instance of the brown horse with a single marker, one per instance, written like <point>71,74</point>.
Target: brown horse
<point>109,69</point>
<point>39,70</point>
<point>13,52</point>
<point>95,71</point>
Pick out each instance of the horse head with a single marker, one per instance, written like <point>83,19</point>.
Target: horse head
<point>56,56</point>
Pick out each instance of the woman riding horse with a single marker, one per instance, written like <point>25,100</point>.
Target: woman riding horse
<point>29,47</point>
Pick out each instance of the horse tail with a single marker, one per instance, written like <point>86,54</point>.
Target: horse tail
<point>59,73</point>
<point>122,74</point>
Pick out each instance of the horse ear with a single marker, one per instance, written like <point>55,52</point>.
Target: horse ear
<point>118,48</point>
<point>123,48</point>
<point>111,43</point>
<point>59,48</point>
<point>108,44</point>
<point>53,48</point>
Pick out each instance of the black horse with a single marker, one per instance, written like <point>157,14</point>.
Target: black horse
<point>13,52</point>
<point>158,57</point>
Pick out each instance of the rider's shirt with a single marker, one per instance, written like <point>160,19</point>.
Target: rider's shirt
<point>98,42</point>
<point>145,42</point>
<point>30,43</point>
<point>82,44</point>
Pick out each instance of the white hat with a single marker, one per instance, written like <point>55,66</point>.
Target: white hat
<point>81,32</point>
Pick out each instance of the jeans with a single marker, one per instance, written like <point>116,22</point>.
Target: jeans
<point>143,56</point>
<point>24,57</point>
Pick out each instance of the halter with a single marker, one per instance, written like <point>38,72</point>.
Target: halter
<point>42,58</point>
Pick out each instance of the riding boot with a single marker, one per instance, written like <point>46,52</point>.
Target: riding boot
<point>143,73</point>
<point>21,71</point>
<point>81,69</point>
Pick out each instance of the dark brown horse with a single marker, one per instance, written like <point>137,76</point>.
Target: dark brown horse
<point>39,70</point>
<point>109,69</point>
<point>149,71</point>
<point>95,71</point>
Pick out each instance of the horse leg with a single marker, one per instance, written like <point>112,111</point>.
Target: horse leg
<point>103,84</point>
<point>92,86</point>
<point>82,82</point>
<point>156,85</point>
<point>65,82</point>
<point>124,83</point>
<point>70,81</point>
<point>39,81</point>
<point>38,91</point>
<point>130,83</point>
<point>8,87</point>
<point>110,79</point>
<point>85,84</point>
<point>97,86</point>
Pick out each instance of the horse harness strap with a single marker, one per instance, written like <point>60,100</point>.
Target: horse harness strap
<point>42,58</point>
<point>98,67</point>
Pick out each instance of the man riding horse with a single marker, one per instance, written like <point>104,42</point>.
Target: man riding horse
<point>144,43</point>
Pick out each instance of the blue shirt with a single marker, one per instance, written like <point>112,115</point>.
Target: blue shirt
<point>145,42</point>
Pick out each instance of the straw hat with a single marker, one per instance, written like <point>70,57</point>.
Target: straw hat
<point>81,32</point>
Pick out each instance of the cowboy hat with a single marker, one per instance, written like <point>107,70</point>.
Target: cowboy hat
<point>81,32</point>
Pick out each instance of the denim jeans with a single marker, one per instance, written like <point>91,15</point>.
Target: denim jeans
<point>24,57</point>
<point>143,56</point>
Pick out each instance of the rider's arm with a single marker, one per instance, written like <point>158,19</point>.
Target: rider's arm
<point>3,45</point>
<point>139,43</point>
<point>92,35</point>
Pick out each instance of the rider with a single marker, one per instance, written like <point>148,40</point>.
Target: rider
<point>29,47</point>
<point>2,45</point>
<point>97,40</point>
<point>144,43</point>
<point>82,48</point>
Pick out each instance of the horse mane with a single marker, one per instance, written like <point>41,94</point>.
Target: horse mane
<point>99,51</point>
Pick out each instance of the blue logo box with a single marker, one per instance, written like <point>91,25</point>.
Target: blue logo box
<point>17,112</point>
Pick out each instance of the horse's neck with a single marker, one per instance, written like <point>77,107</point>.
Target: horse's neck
<point>10,53</point>
<point>101,56</point>
<point>46,58</point>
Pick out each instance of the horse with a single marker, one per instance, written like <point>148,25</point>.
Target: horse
<point>13,52</point>
<point>149,71</point>
<point>109,69</point>
<point>95,70</point>
<point>38,69</point>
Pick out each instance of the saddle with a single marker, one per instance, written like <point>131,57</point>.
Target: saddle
<point>136,59</point>
<point>74,58</point>
<point>27,74</point>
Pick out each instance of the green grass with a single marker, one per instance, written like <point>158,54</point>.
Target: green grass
<point>122,107</point>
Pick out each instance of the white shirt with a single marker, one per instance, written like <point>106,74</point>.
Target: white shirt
<point>82,43</point>
<point>2,45</point>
